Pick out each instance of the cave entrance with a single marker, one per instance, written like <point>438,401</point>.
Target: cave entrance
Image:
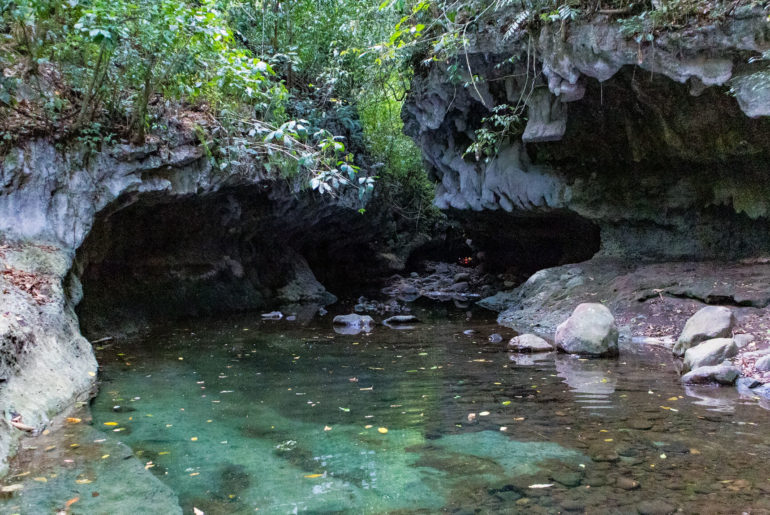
<point>513,244</point>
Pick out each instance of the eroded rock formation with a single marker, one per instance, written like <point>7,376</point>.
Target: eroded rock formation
<point>641,139</point>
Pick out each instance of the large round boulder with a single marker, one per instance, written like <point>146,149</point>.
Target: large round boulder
<point>589,331</point>
<point>708,323</point>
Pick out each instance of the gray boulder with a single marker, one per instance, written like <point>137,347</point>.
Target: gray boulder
<point>708,323</point>
<point>722,374</point>
<point>589,331</point>
<point>529,343</point>
<point>742,340</point>
<point>763,364</point>
<point>710,352</point>
<point>353,320</point>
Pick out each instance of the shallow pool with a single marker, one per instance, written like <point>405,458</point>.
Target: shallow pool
<point>241,415</point>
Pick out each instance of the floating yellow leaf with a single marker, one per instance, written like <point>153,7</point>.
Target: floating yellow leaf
<point>110,423</point>
<point>313,476</point>
<point>104,457</point>
<point>608,439</point>
<point>368,426</point>
<point>195,474</point>
<point>71,502</point>
<point>694,451</point>
<point>40,479</point>
<point>194,439</point>
<point>382,430</point>
<point>92,374</point>
<point>506,403</point>
<point>675,398</point>
<point>327,428</point>
<point>484,413</point>
<point>163,453</point>
<point>73,420</point>
<point>83,481</point>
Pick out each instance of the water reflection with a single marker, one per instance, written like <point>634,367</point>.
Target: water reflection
<point>588,379</point>
<point>714,398</point>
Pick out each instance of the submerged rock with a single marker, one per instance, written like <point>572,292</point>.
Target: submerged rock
<point>529,343</point>
<point>711,352</point>
<point>722,374</point>
<point>589,331</point>
<point>401,320</point>
<point>708,323</point>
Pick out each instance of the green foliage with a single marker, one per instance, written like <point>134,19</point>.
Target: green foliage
<point>404,186</point>
<point>505,122</point>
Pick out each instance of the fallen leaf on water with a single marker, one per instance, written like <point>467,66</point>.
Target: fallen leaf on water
<point>104,457</point>
<point>313,476</point>
<point>346,410</point>
<point>40,479</point>
<point>382,430</point>
<point>673,398</point>
<point>541,485</point>
<point>608,439</point>
<point>195,474</point>
<point>194,439</point>
<point>163,453</point>
<point>73,420</point>
<point>484,413</point>
<point>327,428</point>
<point>506,403</point>
<point>110,423</point>
<point>694,451</point>
<point>368,426</point>
<point>71,502</point>
<point>196,511</point>
<point>519,419</point>
<point>92,374</point>
<point>11,488</point>
<point>83,481</point>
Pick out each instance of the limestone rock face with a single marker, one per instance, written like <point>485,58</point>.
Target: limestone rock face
<point>722,374</point>
<point>708,323</point>
<point>589,331</point>
<point>679,171</point>
<point>709,353</point>
<point>529,343</point>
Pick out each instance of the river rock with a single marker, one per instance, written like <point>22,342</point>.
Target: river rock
<point>655,507</point>
<point>626,483</point>
<point>401,320</point>
<point>710,352</point>
<point>708,323</point>
<point>353,320</point>
<point>763,364</point>
<point>742,340</point>
<point>589,331</point>
<point>529,343</point>
<point>462,277</point>
<point>722,374</point>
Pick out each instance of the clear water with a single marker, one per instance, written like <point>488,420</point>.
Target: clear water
<point>241,415</point>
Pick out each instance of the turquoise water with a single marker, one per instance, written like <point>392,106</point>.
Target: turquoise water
<point>241,416</point>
